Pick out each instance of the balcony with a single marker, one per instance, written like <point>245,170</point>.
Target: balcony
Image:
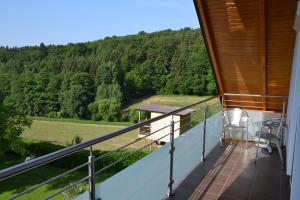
<point>202,163</point>
<point>231,173</point>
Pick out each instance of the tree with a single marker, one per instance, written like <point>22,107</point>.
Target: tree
<point>107,109</point>
<point>63,80</point>
<point>4,85</point>
<point>139,82</point>
<point>52,90</point>
<point>107,73</point>
<point>11,127</point>
<point>107,91</point>
<point>76,95</point>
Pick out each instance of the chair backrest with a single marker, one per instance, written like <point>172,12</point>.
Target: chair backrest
<point>234,116</point>
<point>274,123</point>
<point>280,128</point>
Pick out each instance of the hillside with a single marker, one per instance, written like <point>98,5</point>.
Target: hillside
<point>96,79</point>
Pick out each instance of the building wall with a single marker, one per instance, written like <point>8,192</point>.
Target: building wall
<point>293,148</point>
<point>185,123</point>
<point>155,126</point>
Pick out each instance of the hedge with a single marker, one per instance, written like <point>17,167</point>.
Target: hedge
<point>40,148</point>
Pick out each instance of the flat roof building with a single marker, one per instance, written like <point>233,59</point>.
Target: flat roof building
<point>156,130</point>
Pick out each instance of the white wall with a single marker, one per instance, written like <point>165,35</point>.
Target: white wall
<point>293,146</point>
<point>155,126</point>
<point>295,177</point>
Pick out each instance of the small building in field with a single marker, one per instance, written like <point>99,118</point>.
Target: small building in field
<point>158,129</point>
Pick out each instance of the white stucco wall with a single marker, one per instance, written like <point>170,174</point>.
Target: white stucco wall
<point>293,148</point>
<point>155,126</point>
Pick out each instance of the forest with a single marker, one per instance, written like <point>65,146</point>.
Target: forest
<point>94,80</point>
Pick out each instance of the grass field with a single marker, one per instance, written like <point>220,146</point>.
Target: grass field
<point>81,121</point>
<point>63,133</point>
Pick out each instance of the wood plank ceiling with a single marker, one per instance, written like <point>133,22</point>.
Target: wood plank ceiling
<point>250,43</point>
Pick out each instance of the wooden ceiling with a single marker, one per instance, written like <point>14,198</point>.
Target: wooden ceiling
<point>250,44</point>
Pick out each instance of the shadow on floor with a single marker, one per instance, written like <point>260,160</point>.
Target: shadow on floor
<point>230,173</point>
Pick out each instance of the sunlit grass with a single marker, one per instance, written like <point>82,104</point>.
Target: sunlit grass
<point>63,132</point>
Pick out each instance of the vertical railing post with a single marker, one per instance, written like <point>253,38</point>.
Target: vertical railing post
<point>171,152</point>
<point>282,121</point>
<point>92,181</point>
<point>204,132</point>
<point>283,109</point>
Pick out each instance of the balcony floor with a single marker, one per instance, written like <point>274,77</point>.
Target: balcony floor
<point>230,173</point>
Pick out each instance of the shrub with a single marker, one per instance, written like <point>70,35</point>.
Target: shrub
<point>114,111</point>
<point>12,125</point>
<point>103,108</point>
<point>38,148</point>
<point>76,140</point>
<point>134,116</point>
<point>75,190</point>
<point>107,109</point>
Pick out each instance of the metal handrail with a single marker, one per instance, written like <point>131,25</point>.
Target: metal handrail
<point>48,181</point>
<point>255,106</point>
<point>132,153</point>
<point>258,107</point>
<point>130,143</point>
<point>17,169</point>
<point>255,102</point>
<point>65,188</point>
<point>255,95</point>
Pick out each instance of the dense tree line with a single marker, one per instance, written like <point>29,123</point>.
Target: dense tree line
<point>95,79</point>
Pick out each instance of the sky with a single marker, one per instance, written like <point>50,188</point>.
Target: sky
<point>31,22</point>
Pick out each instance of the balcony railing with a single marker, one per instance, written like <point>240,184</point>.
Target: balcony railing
<point>90,164</point>
<point>204,136</point>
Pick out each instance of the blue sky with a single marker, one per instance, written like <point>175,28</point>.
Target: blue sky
<point>30,22</point>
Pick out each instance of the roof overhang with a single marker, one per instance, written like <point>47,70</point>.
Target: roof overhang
<point>163,109</point>
<point>250,44</point>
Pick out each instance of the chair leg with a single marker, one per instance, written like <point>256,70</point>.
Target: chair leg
<point>247,134</point>
<point>231,135</point>
<point>242,137</point>
<point>257,146</point>
<point>246,141</point>
<point>277,143</point>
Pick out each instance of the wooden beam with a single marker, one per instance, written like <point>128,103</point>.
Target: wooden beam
<point>209,43</point>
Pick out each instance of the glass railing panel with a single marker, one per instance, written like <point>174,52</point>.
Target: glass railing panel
<point>213,132</point>
<point>149,177</point>
<point>124,167</point>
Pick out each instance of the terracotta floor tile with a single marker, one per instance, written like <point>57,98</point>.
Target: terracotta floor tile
<point>221,179</point>
<point>215,189</point>
<point>208,196</point>
<point>240,178</point>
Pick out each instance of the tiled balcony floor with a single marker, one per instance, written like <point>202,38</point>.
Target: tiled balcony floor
<point>230,173</point>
